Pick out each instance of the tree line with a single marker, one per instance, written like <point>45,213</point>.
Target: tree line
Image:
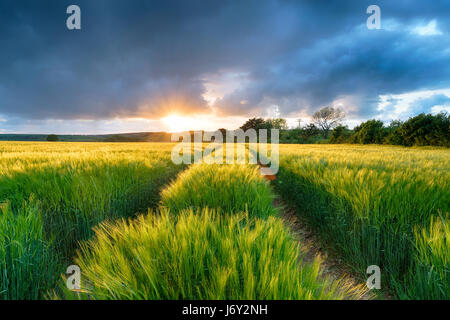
<point>326,127</point>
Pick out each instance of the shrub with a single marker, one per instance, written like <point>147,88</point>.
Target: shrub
<point>371,131</point>
<point>310,130</point>
<point>393,133</point>
<point>200,255</point>
<point>427,129</point>
<point>52,137</point>
<point>340,134</point>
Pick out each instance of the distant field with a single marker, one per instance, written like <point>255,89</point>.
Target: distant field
<point>213,225</point>
<point>120,137</point>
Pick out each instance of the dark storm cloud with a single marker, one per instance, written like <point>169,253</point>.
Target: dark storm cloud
<point>359,65</point>
<point>150,58</point>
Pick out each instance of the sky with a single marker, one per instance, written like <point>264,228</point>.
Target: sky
<point>178,65</point>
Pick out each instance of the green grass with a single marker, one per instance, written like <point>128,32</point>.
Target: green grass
<point>200,255</point>
<point>230,188</point>
<point>432,252</point>
<point>385,206</point>
<point>70,188</point>
<point>26,261</point>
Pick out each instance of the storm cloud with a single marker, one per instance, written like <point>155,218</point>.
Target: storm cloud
<point>152,58</point>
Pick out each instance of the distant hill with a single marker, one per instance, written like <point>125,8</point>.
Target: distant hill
<point>120,137</point>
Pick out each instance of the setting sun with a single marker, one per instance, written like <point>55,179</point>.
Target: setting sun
<point>176,123</point>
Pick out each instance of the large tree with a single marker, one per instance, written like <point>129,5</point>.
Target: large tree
<point>254,123</point>
<point>277,123</point>
<point>260,123</point>
<point>328,118</point>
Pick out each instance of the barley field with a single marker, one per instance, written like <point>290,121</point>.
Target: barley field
<point>52,195</point>
<point>141,227</point>
<point>377,205</point>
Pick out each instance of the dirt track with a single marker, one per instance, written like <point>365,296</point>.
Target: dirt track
<point>313,247</point>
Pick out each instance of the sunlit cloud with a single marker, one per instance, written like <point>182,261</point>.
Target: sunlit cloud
<point>402,106</point>
<point>429,29</point>
<point>440,108</point>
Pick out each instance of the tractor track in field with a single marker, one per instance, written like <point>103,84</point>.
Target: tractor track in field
<point>312,246</point>
<point>333,267</point>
